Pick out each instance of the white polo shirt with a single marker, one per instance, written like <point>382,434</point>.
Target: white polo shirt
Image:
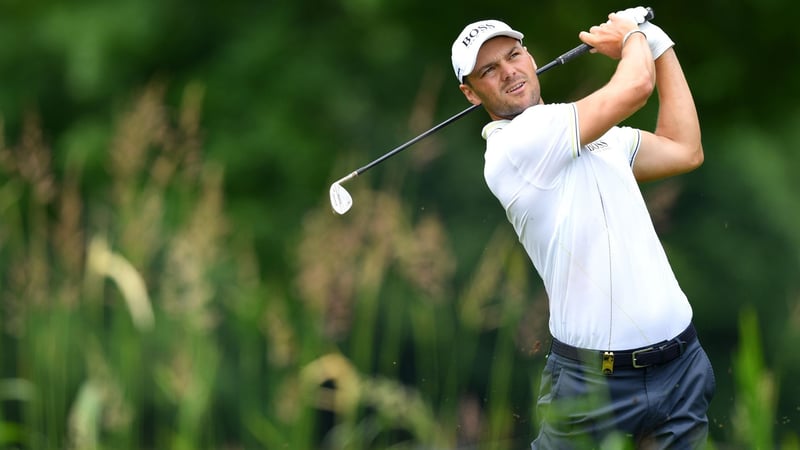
<point>581,217</point>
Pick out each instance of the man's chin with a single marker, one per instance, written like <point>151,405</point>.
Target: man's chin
<point>512,111</point>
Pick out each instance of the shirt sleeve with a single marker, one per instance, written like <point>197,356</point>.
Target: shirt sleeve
<point>627,140</point>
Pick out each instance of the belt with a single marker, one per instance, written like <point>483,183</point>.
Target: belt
<point>659,353</point>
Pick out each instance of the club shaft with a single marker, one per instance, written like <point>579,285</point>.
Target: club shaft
<point>416,139</point>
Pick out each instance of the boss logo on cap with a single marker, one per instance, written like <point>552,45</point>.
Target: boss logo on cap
<point>473,33</point>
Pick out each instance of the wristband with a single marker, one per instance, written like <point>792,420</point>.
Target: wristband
<point>629,33</point>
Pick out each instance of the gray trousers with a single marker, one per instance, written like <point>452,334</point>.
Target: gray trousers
<point>657,407</point>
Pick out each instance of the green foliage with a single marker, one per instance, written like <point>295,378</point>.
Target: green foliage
<point>79,296</point>
<point>757,391</point>
<point>754,416</point>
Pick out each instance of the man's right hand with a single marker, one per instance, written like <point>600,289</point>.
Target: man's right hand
<point>607,37</point>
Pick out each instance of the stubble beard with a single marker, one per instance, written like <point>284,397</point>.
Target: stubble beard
<point>509,110</point>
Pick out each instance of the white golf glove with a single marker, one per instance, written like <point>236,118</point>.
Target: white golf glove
<point>638,14</point>
<point>657,39</point>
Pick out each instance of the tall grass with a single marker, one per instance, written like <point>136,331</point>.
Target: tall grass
<point>135,315</point>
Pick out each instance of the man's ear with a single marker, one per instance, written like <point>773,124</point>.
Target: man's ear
<point>532,60</point>
<point>470,94</point>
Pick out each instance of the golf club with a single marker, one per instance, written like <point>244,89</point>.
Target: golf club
<point>341,201</point>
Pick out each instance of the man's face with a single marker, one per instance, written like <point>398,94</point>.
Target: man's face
<point>504,79</point>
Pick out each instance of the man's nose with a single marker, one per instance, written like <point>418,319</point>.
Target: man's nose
<point>507,70</point>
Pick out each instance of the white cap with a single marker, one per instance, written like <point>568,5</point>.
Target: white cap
<point>466,46</point>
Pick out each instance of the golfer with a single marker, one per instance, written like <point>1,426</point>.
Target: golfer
<point>625,361</point>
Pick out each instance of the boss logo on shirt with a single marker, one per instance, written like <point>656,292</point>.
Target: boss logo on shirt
<point>596,146</point>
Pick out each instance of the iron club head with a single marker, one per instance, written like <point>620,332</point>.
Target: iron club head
<point>341,201</point>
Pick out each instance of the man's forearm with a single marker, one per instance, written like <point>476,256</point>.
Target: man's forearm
<point>677,115</point>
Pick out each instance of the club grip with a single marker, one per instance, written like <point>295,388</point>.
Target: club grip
<point>575,52</point>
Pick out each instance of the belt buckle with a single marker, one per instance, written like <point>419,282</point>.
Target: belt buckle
<point>608,363</point>
<point>633,357</point>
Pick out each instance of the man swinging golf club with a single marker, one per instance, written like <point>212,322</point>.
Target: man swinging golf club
<point>625,359</point>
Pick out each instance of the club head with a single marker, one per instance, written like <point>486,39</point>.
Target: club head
<point>341,201</point>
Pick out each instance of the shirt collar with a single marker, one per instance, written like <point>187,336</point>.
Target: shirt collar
<point>492,127</point>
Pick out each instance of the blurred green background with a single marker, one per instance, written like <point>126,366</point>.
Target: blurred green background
<point>173,276</point>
